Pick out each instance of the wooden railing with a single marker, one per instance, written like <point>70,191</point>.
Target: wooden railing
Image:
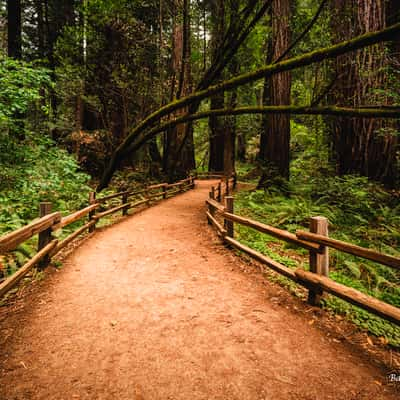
<point>211,175</point>
<point>317,242</point>
<point>98,208</point>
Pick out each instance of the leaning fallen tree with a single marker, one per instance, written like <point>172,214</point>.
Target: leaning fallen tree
<point>365,112</point>
<point>312,57</point>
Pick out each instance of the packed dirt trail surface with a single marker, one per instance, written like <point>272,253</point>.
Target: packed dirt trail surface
<point>154,307</point>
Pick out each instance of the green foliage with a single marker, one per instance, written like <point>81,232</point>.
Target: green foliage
<point>364,320</point>
<point>33,171</point>
<point>118,70</point>
<point>359,211</point>
<point>20,86</point>
<point>38,171</point>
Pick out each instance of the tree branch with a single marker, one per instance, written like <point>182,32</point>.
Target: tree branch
<point>267,71</point>
<point>365,112</point>
<point>304,33</point>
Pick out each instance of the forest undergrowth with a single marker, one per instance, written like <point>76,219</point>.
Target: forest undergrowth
<point>359,212</point>
<point>36,170</point>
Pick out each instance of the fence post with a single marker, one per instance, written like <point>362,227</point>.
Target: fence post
<point>219,198</point>
<point>92,200</point>
<point>229,208</point>
<point>210,208</point>
<point>227,186</point>
<point>211,211</point>
<point>125,201</point>
<point>319,262</point>
<point>44,236</point>
<point>164,191</point>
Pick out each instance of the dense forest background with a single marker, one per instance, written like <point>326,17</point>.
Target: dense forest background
<point>77,77</point>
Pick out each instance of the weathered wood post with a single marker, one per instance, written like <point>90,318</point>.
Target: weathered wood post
<point>227,186</point>
<point>92,200</point>
<point>211,211</point>
<point>219,198</point>
<point>125,201</point>
<point>228,225</point>
<point>45,236</point>
<point>319,262</point>
<point>212,193</point>
<point>164,191</point>
<point>210,208</point>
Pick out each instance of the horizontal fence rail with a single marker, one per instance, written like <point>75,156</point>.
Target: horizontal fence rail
<point>12,240</point>
<point>10,282</point>
<point>316,241</point>
<point>349,248</point>
<point>51,222</point>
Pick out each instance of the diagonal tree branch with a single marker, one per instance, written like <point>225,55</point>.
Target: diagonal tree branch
<point>266,71</point>
<point>304,33</point>
<point>364,112</point>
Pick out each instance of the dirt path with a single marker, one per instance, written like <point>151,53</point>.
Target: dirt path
<point>155,307</point>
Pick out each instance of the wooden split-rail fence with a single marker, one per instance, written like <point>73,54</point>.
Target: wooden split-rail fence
<point>221,215</point>
<point>49,222</point>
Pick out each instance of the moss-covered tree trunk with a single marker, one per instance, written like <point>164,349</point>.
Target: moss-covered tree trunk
<point>275,136</point>
<point>364,146</point>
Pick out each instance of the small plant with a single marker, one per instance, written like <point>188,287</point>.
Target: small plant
<point>58,264</point>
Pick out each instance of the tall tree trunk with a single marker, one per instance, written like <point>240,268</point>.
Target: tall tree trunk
<point>14,15</point>
<point>216,124</point>
<point>363,146</point>
<point>230,125</point>
<point>178,160</point>
<point>14,28</point>
<point>40,28</point>
<point>275,137</point>
<point>241,147</point>
<point>230,137</point>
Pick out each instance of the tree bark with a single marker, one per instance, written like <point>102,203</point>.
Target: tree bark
<point>371,147</point>
<point>241,147</point>
<point>275,137</point>
<point>179,156</point>
<point>230,121</point>
<point>216,125</point>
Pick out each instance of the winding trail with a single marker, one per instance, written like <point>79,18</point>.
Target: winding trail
<point>154,307</point>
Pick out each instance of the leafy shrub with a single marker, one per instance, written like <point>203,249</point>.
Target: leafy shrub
<point>33,171</point>
<point>21,85</point>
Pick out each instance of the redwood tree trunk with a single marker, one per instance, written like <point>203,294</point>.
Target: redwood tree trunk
<point>275,132</point>
<point>230,122</point>
<point>216,124</point>
<point>230,127</point>
<point>363,146</point>
<point>178,160</point>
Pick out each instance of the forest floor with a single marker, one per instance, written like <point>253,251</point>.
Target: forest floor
<point>155,307</point>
